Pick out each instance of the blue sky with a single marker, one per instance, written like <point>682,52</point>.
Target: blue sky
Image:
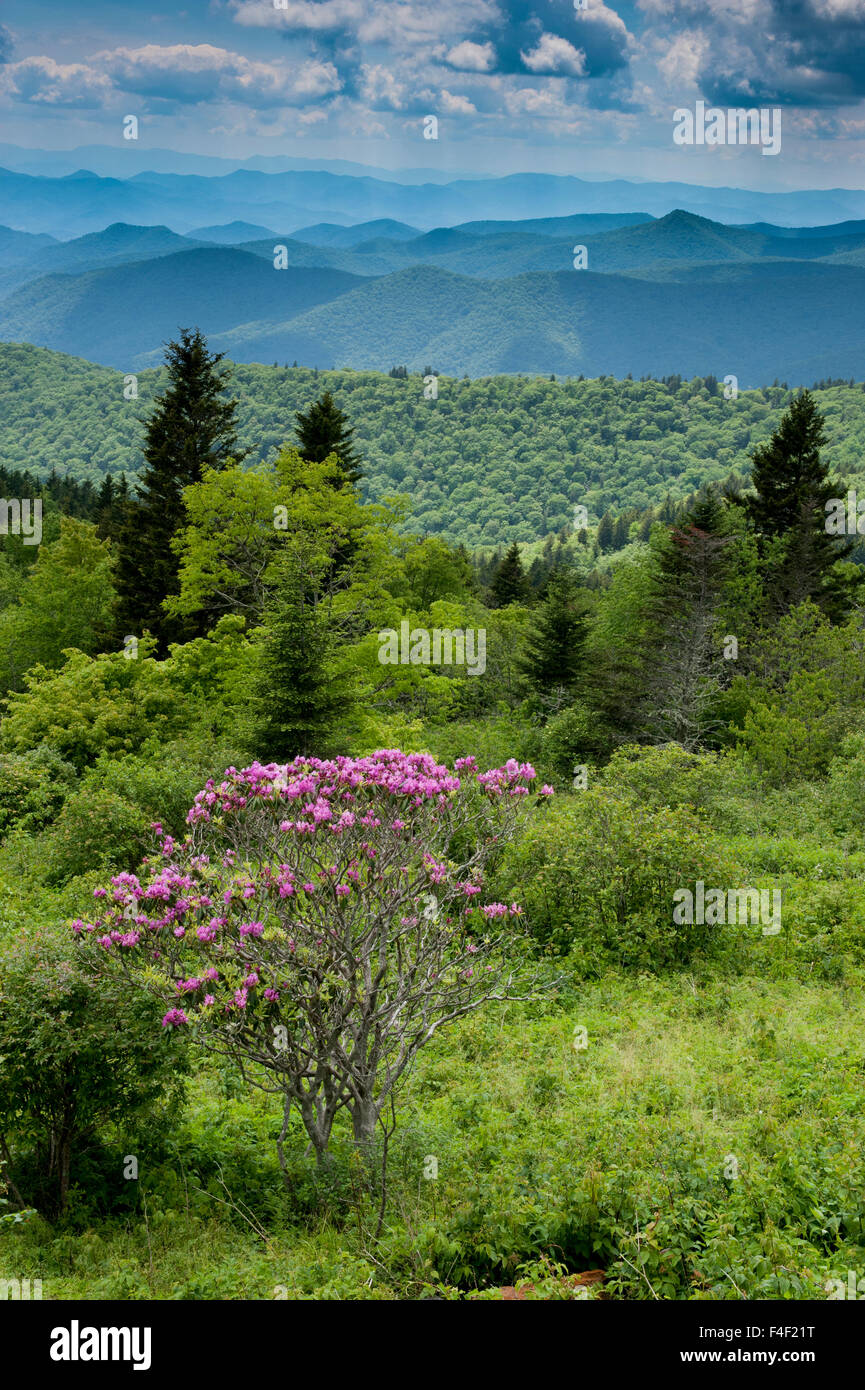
<point>515,84</point>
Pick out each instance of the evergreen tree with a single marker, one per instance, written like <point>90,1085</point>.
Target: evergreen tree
<point>788,508</point>
<point>554,645</point>
<point>683,665</point>
<point>509,582</point>
<point>192,427</point>
<point>605,532</point>
<point>324,430</point>
<point>300,698</point>
<point>111,506</point>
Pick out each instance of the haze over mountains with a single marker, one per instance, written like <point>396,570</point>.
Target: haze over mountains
<point>674,294</point>
<point>82,201</point>
<point>340,269</point>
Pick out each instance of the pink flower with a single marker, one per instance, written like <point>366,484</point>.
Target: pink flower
<point>174,1018</point>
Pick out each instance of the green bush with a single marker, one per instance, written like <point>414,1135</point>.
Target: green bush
<point>33,787</point>
<point>95,829</point>
<point>98,1052</point>
<point>845,788</point>
<point>597,876</point>
<point>161,782</point>
<point>575,735</point>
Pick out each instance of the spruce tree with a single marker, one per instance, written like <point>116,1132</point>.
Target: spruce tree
<point>509,582</point>
<point>192,427</point>
<point>300,698</point>
<point>791,488</point>
<point>554,645</point>
<point>111,506</point>
<point>683,667</point>
<point>605,532</point>
<point>324,430</point>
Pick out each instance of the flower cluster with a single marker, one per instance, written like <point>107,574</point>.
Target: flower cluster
<point>285,868</point>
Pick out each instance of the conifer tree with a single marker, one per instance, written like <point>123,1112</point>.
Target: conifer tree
<point>111,505</point>
<point>554,645</point>
<point>509,582</point>
<point>324,430</point>
<point>788,507</point>
<point>605,532</point>
<point>192,427</point>
<point>300,699</point>
<point>683,665</point>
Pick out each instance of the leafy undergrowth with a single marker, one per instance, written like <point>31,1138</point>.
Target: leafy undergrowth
<point>695,1137</point>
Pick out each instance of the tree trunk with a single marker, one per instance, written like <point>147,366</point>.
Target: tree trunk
<point>364,1117</point>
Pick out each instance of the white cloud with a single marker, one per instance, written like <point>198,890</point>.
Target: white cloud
<point>43,82</point>
<point>544,102</point>
<point>401,24</point>
<point>455,105</point>
<point>472,57</point>
<point>202,73</point>
<point>380,87</point>
<point>554,54</point>
<point>314,16</point>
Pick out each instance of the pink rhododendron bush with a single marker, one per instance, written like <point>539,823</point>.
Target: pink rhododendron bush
<point>322,920</point>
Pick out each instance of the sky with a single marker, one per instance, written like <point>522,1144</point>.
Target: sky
<point>514,84</point>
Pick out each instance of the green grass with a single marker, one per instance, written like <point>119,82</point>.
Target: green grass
<point>611,1156</point>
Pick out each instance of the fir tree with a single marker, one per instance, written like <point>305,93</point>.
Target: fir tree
<point>111,506</point>
<point>509,582</point>
<point>300,698</point>
<point>788,507</point>
<point>605,532</point>
<point>192,427</point>
<point>683,666</point>
<point>555,643</point>
<point>324,430</point>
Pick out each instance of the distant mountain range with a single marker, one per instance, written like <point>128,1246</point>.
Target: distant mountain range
<point>679,293</point>
<point>83,201</point>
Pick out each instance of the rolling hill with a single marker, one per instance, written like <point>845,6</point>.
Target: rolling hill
<point>117,314</point>
<point>493,459</point>
<point>678,293</point>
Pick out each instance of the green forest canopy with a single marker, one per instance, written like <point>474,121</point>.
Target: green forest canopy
<point>490,460</point>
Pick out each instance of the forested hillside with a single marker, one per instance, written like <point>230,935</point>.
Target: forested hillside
<point>489,461</point>
<point>621,1096</point>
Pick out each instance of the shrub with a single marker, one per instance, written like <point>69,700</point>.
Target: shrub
<point>33,787</point>
<point>320,921</point>
<point>597,874</point>
<point>95,830</point>
<point>96,1050</point>
<point>575,735</point>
